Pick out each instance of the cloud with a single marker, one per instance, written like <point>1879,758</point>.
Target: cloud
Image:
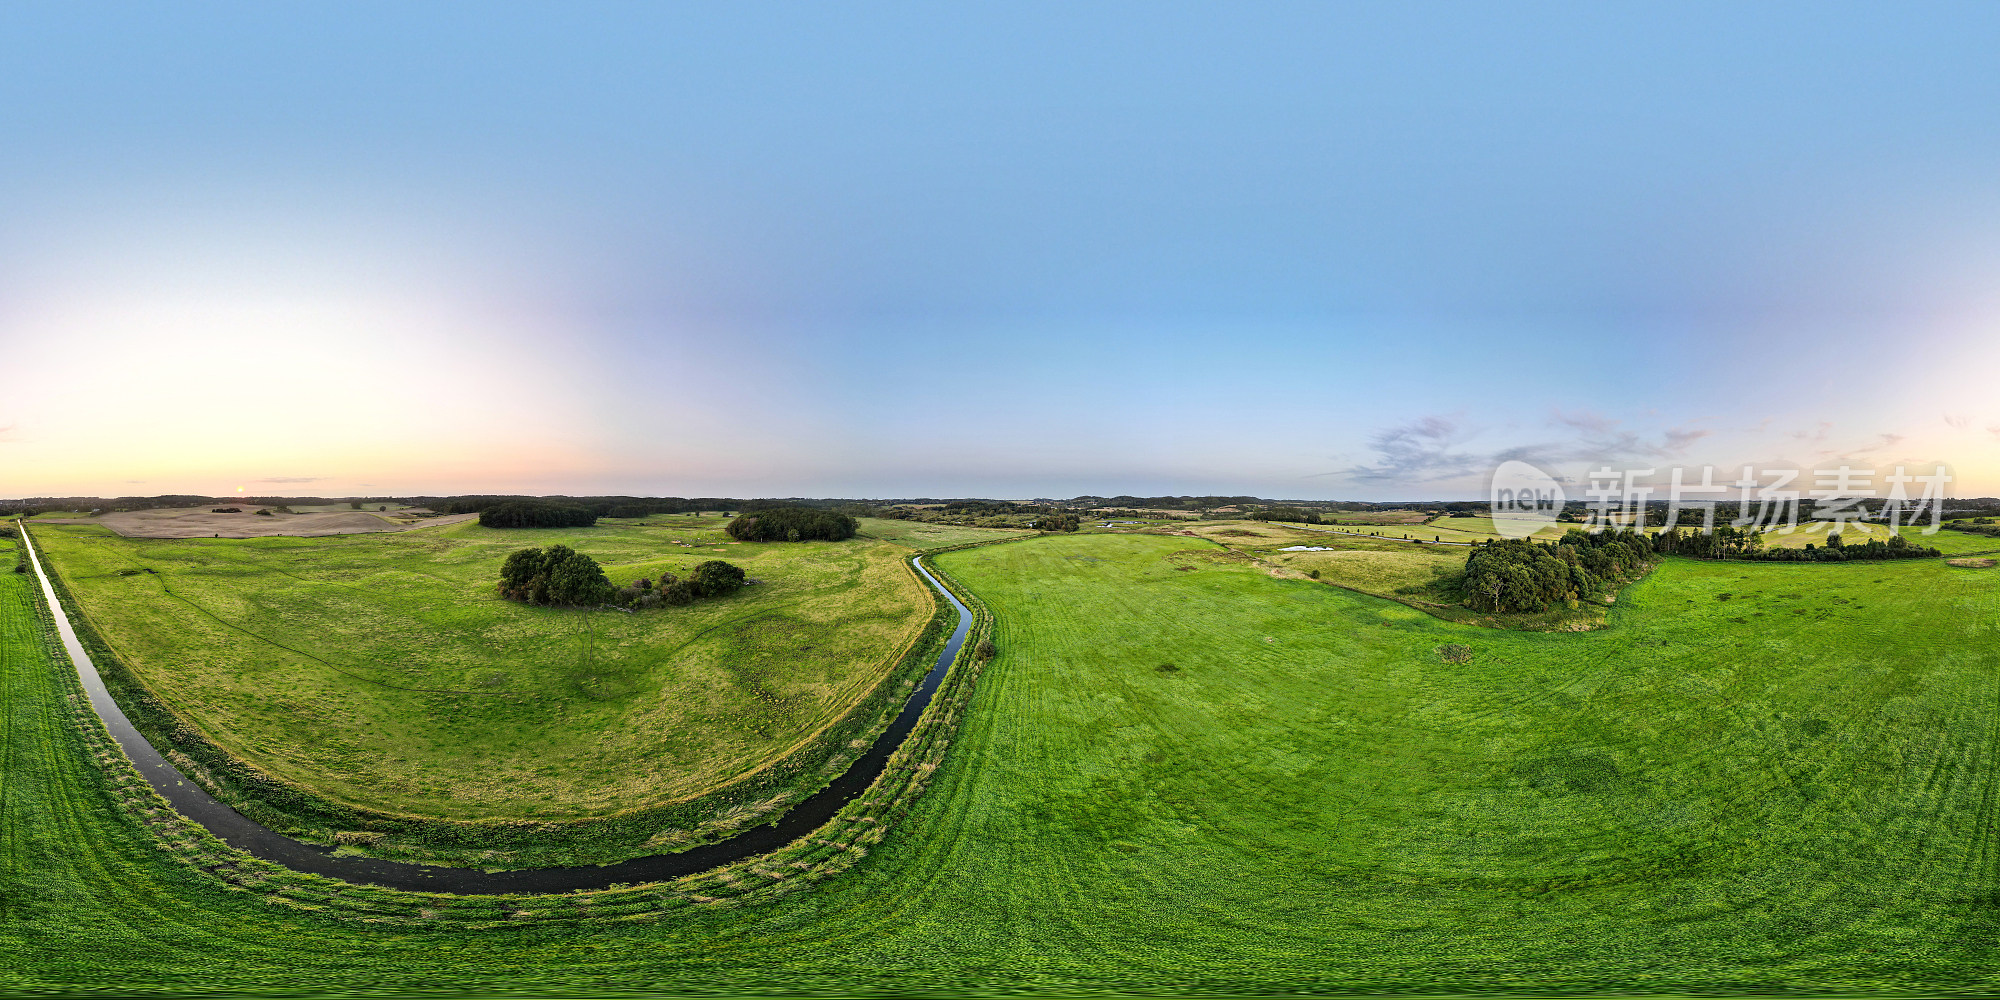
<point>1958,420</point>
<point>293,479</point>
<point>7,433</point>
<point>1584,420</point>
<point>1423,450</point>
<point>1602,438</point>
<point>1430,449</point>
<point>1817,434</point>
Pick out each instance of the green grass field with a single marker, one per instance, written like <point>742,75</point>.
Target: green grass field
<point>1759,777</point>
<point>382,671</point>
<point>919,535</point>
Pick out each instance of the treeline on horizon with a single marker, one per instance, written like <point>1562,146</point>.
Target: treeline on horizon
<point>635,506</point>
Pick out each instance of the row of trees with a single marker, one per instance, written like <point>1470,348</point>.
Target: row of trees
<point>1727,542</point>
<point>791,524</point>
<point>563,577</point>
<point>535,514</point>
<point>1297,515</point>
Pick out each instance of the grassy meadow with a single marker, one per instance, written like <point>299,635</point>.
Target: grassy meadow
<point>1182,772</point>
<point>921,536</point>
<point>383,672</point>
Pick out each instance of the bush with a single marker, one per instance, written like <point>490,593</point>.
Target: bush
<point>792,524</point>
<point>677,593</point>
<point>716,578</point>
<point>535,514</point>
<point>558,575</point>
<point>985,650</point>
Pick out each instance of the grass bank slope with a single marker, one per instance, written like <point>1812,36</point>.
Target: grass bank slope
<point>1311,800</point>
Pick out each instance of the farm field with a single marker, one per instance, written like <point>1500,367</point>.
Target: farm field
<point>1759,777</point>
<point>1376,517</point>
<point>1373,565</point>
<point>383,672</point>
<point>919,535</point>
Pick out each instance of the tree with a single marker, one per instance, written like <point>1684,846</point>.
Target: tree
<point>557,575</point>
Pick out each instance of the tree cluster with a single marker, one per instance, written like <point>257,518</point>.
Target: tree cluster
<point>535,514</point>
<point>1519,575</point>
<point>1058,522</point>
<point>557,575</point>
<point>1297,515</point>
<point>791,524</point>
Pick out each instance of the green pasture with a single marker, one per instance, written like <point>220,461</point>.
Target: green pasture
<point>1181,773</point>
<point>382,670</point>
<point>920,535</point>
<point>1373,565</point>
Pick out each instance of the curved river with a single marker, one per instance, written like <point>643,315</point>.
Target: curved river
<point>256,840</point>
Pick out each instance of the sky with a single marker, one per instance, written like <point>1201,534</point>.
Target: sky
<point>1310,251</point>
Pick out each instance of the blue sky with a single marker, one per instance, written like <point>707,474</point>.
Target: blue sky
<point>1311,250</point>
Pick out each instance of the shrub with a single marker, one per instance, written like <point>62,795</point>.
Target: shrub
<point>535,514</point>
<point>716,578</point>
<point>791,524</point>
<point>677,592</point>
<point>227,510</point>
<point>1455,653</point>
<point>985,650</point>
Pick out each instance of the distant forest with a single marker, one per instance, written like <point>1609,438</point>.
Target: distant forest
<point>963,510</point>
